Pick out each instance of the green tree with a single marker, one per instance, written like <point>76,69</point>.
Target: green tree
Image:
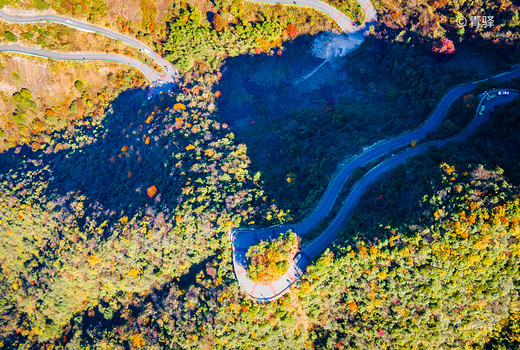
<point>10,36</point>
<point>41,5</point>
<point>79,85</point>
<point>73,108</point>
<point>23,99</point>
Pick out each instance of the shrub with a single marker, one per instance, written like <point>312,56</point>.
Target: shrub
<point>73,108</point>
<point>10,36</point>
<point>41,5</point>
<point>79,85</point>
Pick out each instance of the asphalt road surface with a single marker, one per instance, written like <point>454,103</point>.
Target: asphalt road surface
<point>242,239</point>
<point>147,71</point>
<point>170,72</point>
<point>345,23</point>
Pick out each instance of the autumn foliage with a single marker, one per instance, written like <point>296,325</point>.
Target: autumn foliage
<point>268,260</point>
<point>450,268</point>
<point>219,23</point>
<point>151,191</point>
<point>49,112</point>
<point>180,106</point>
<point>443,47</point>
<point>292,31</point>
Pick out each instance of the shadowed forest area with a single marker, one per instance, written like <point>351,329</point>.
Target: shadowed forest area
<point>132,200</point>
<point>115,226</point>
<point>370,289</point>
<point>298,131</point>
<point>81,267</point>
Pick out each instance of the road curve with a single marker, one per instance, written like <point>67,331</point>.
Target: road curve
<point>242,239</point>
<point>147,71</point>
<point>345,23</point>
<point>170,72</point>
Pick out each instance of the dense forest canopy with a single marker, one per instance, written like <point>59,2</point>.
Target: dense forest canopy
<point>105,213</point>
<point>448,279</point>
<point>80,269</point>
<point>114,221</point>
<point>268,260</point>
<point>495,20</point>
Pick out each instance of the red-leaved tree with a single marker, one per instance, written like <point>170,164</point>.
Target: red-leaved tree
<point>443,47</point>
<point>292,30</point>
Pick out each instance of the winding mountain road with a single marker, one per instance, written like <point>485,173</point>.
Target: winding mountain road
<point>242,239</point>
<point>170,72</point>
<point>346,24</point>
<point>147,71</point>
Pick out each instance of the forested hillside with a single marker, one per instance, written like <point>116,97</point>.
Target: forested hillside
<point>36,102</point>
<point>139,257</point>
<point>297,132</point>
<point>115,209</point>
<point>495,20</point>
<point>449,278</point>
<point>120,207</point>
<point>195,37</point>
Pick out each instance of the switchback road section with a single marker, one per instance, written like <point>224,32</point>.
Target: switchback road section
<point>170,72</point>
<point>242,239</point>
